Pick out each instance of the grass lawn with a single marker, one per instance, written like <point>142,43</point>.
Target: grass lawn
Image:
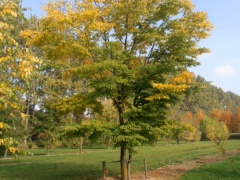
<point>68,164</point>
<point>228,169</point>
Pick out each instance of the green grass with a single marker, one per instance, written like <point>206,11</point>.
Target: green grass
<point>68,164</point>
<point>228,169</point>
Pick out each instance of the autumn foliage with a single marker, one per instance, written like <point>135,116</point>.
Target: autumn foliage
<point>113,68</point>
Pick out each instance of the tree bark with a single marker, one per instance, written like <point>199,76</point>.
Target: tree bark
<point>120,107</point>
<point>25,141</point>
<point>48,150</point>
<point>49,142</point>
<point>123,162</point>
<point>5,153</point>
<point>80,145</point>
<point>178,140</point>
<point>26,120</point>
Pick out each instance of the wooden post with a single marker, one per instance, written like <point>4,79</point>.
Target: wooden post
<point>129,166</point>
<point>104,169</point>
<point>129,170</point>
<point>145,169</point>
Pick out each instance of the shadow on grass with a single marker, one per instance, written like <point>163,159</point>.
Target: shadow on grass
<point>61,170</point>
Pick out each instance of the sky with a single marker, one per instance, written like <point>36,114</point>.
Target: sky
<point>221,66</point>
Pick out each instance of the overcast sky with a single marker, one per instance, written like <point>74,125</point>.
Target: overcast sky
<point>222,65</point>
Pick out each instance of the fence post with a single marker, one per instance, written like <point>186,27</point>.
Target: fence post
<point>129,166</point>
<point>145,169</point>
<point>104,169</point>
<point>129,170</point>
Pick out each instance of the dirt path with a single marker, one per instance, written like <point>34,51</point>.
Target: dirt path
<point>175,171</point>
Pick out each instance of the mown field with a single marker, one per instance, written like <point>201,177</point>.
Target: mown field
<point>68,164</point>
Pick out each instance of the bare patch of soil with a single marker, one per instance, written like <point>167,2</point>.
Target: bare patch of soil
<point>175,171</point>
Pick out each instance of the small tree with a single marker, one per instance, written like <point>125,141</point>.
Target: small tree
<point>45,132</point>
<point>166,131</point>
<point>215,131</point>
<point>46,140</point>
<point>92,130</point>
<point>173,130</point>
<point>190,133</point>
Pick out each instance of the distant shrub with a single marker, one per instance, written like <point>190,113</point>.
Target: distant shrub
<point>234,136</point>
<point>30,145</point>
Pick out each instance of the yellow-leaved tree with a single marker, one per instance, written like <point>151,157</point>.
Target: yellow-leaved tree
<point>124,51</point>
<point>18,66</point>
<point>215,131</point>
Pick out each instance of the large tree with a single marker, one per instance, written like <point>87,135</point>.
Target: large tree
<point>132,52</point>
<point>19,65</point>
<point>11,20</point>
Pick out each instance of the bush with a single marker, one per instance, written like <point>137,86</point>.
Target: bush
<point>234,136</point>
<point>30,145</point>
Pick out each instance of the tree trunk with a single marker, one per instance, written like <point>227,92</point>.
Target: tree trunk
<point>49,145</point>
<point>168,141</point>
<point>5,153</point>
<point>25,141</point>
<point>178,140</point>
<point>120,107</point>
<point>26,120</point>
<point>123,162</point>
<point>80,145</point>
<point>47,150</point>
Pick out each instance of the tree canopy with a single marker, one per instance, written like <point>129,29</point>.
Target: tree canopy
<point>135,53</point>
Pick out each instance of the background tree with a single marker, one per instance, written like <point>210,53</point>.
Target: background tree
<point>207,97</point>
<point>215,131</point>
<point>177,131</point>
<point>92,130</point>
<point>216,114</point>
<point>227,117</point>
<point>109,115</point>
<point>200,115</point>
<point>187,117</point>
<point>235,121</point>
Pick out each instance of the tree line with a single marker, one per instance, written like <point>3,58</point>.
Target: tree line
<point>211,101</point>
